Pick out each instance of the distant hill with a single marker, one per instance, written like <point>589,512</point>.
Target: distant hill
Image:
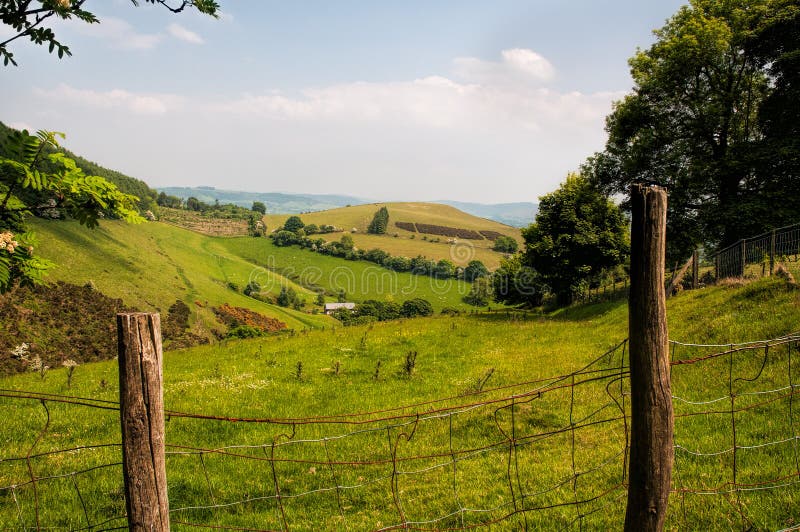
<point>411,243</point>
<point>514,214</point>
<point>276,202</point>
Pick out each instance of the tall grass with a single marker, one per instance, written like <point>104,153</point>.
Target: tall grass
<point>413,458</point>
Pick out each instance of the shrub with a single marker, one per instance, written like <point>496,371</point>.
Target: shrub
<point>380,222</point>
<point>505,244</point>
<point>244,331</point>
<point>407,226</point>
<point>252,288</point>
<point>416,307</point>
<point>293,224</point>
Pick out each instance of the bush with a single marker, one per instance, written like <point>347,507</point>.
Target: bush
<point>416,307</point>
<point>245,331</point>
<point>505,244</point>
<point>285,238</point>
<point>252,288</point>
<point>293,224</point>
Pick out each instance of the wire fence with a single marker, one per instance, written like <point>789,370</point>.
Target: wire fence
<point>550,452</point>
<point>758,255</point>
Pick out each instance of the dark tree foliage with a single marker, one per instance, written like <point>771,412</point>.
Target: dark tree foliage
<point>480,294</point>
<point>578,233</point>
<point>777,45</point>
<point>692,122</point>
<point>505,244</point>
<point>379,222</point>
<point>293,224</point>
<point>474,270</point>
<point>258,206</point>
<point>29,19</point>
<point>515,283</point>
<point>416,307</point>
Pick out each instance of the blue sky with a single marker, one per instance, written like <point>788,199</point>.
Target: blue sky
<point>490,101</point>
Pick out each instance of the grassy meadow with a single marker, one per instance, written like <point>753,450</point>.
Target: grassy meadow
<point>431,446</point>
<point>359,217</point>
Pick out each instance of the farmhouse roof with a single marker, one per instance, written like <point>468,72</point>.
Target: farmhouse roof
<point>337,306</point>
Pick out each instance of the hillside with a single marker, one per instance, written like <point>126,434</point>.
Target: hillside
<point>151,265</point>
<point>446,423</point>
<point>408,243</point>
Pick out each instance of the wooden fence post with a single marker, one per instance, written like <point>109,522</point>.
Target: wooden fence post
<point>695,270</point>
<point>651,453</point>
<point>142,417</point>
<point>744,257</point>
<point>772,253</point>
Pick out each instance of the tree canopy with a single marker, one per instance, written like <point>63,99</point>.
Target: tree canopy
<point>692,121</point>
<point>578,233</point>
<point>29,18</point>
<point>380,222</point>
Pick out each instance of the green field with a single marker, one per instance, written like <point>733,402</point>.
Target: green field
<point>446,462</point>
<point>150,265</point>
<point>359,216</point>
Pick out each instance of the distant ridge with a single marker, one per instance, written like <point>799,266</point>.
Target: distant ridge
<point>520,214</point>
<point>276,202</point>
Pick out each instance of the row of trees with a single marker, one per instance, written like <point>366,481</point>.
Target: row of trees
<point>419,265</point>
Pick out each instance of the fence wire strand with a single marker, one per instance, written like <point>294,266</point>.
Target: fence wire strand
<point>429,452</point>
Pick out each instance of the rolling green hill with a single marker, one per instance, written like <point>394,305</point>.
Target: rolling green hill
<point>448,449</point>
<point>358,217</point>
<point>151,265</point>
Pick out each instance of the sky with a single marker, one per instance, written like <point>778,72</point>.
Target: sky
<point>484,101</point>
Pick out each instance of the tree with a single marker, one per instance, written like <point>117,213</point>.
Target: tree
<point>24,185</point>
<point>380,222</point>
<point>577,234</point>
<point>474,270</point>
<point>26,19</point>
<point>691,124</point>
<point>505,244</point>
<point>416,307</point>
<point>480,294</point>
<point>346,243</point>
<point>293,224</point>
<point>444,269</point>
<point>287,297</point>
<point>252,288</point>
<point>516,283</point>
<point>284,238</point>
<point>259,207</point>
<point>777,44</point>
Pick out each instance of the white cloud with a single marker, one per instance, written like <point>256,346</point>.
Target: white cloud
<point>517,66</point>
<point>117,32</point>
<point>183,34</point>
<point>435,101</point>
<point>142,104</point>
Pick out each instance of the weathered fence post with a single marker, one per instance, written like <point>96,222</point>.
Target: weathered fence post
<point>695,270</point>
<point>772,253</point>
<point>651,454</point>
<point>744,257</point>
<point>142,418</point>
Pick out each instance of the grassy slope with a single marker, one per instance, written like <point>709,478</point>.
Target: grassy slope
<point>258,378</point>
<point>360,279</point>
<point>360,216</point>
<point>151,265</point>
